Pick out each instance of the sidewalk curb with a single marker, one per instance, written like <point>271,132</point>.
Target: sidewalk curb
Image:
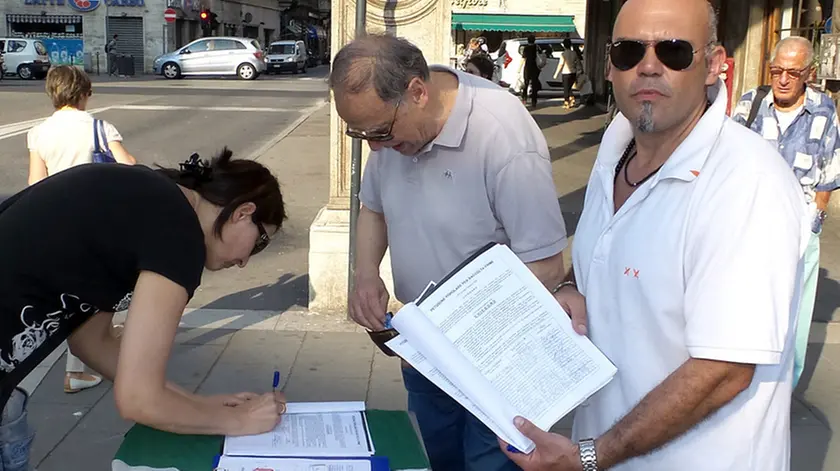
<point>255,155</point>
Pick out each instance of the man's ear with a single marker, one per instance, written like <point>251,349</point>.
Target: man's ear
<point>714,61</point>
<point>417,91</point>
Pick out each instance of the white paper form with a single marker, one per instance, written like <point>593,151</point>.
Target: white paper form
<point>401,347</point>
<point>310,429</point>
<point>236,463</point>
<point>413,324</point>
<point>503,320</point>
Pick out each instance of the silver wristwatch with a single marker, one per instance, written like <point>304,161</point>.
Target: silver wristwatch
<point>587,455</point>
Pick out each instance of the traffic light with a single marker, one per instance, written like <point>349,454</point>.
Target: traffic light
<point>205,17</point>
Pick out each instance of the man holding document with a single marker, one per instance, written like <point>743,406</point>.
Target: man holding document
<point>689,252</point>
<point>456,163</point>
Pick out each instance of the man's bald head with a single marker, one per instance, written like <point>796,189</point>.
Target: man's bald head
<point>383,62</point>
<point>690,8</point>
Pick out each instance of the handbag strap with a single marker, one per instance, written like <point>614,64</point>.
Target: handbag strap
<point>104,137</point>
<point>96,147</point>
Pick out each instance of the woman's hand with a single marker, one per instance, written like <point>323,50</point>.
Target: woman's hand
<point>261,414</point>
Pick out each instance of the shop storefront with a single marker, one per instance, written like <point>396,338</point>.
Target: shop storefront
<point>76,31</point>
<point>498,20</point>
<point>62,35</point>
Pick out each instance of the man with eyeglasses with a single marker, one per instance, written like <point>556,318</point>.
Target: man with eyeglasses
<point>688,252</point>
<point>802,123</point>
<point>456,163</point>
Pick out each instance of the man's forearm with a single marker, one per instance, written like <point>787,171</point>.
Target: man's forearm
<point>549,270</point>
<point>821,199</point>
<point>691,393</point>
<point>371,241</point>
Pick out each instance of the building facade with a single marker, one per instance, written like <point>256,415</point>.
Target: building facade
<point>497,20</point>
<point>76,31</point>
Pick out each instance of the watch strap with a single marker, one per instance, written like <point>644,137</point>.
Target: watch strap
<point>588,458</point>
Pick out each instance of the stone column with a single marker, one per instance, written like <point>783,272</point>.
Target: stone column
<point>424,22</point>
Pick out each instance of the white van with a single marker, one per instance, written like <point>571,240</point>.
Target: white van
<point>553,47</point>
<point>286,56</point>
<point>25,58</point>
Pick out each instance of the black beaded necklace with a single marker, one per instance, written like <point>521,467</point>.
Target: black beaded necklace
<point>628,155</point>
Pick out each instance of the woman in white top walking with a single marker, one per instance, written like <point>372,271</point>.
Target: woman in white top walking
<point>568,66</point>
<point>66,139</point>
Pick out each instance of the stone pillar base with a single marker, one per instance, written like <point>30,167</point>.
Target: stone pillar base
<point>329,242</point>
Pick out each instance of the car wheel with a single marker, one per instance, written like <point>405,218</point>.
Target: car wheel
<point>171,70</point>
<point>246,72</point>
<point>24,72</point>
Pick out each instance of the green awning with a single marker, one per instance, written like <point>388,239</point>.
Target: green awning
<point>526,23</point>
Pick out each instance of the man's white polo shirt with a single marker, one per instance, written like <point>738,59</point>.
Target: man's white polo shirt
<point>702,261</point>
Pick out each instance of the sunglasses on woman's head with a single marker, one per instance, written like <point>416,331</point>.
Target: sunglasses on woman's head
<point>262,240</point>
<point>675,54</point>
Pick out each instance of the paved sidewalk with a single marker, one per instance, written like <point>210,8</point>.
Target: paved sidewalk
<point>221,348</point>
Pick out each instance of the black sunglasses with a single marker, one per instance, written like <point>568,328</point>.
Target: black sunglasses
<point>262,240</point>
<point>675,54</point>
<point>376,136</point>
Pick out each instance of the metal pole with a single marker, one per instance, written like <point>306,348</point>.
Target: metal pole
<point>355,170</point>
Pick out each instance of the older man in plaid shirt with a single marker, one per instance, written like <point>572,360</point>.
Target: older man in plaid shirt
<point>802,123</point>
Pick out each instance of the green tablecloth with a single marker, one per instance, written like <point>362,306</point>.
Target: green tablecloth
<point>393,434</point>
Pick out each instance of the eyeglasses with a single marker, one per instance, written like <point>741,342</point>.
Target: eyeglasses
<point>795,74</point>
<point>262,240</point>
<point>376,136</point>
<point>675,54</point>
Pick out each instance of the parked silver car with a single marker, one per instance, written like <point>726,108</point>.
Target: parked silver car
<point>218,55</point>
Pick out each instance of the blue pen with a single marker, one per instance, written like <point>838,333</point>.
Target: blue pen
<point>388,317</point>
<point>276,381</point>
<point>512,449</point>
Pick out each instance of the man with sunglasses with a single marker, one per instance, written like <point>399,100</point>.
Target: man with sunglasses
<point>801,123</point>
<point>456,163</point>
<point>688,252</point>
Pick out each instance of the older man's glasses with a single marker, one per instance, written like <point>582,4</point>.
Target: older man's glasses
<point>795,74</point>
<point>376,136</point>
<point>262,239</point>
<point>675,54</point>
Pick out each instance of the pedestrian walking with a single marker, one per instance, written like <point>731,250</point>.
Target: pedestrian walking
<point>801,123</point>
<point>454,165</point>
<point>68,138</point>
<point>97,239</point>
<point>689,253</point>
<point>111,51</point>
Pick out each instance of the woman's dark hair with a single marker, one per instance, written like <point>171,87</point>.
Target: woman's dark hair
<point>229,183</point>
<point>483,64</point>
<point>567,43</point>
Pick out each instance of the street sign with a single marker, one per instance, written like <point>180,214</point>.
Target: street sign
<point>169,15</point>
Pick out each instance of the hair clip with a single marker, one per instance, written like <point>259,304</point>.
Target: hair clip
<point>197,168</point>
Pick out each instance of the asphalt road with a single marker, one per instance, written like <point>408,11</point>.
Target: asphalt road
<point>163,122</point>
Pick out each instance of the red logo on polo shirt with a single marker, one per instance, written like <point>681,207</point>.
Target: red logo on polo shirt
<point>628,271</point>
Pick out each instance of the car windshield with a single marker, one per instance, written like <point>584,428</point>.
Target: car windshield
<point>282,49</point>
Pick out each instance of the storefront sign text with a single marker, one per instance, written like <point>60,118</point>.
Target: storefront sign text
<point>44,2</point>
<point>469,3</point>
<point>125,3</point>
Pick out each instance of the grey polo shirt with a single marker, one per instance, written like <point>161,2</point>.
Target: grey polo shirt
<point>485,178</point>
